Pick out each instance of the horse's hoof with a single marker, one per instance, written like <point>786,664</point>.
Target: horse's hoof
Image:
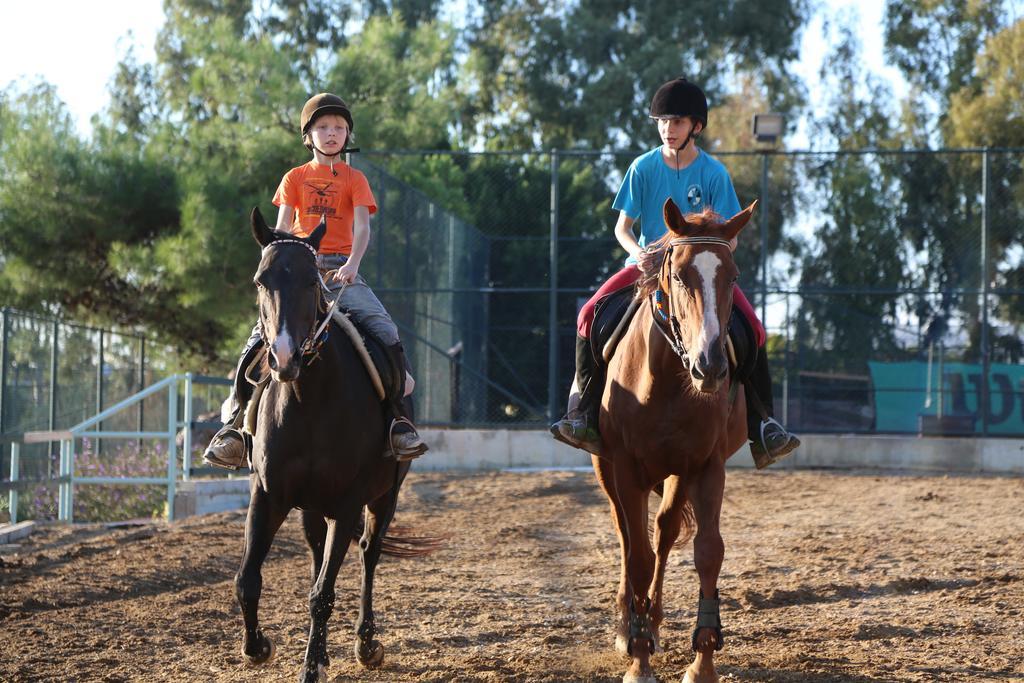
<point>621,644</point>
<point>321,674</point>
<point>370,656</point>
<point>631,677</point>
<point>691,677</point>
<point>266,653</point>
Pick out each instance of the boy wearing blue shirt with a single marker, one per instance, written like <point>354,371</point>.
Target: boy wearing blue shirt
<point>695,181</point>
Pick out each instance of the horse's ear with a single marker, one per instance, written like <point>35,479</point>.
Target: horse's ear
<point>674,219</point>
<point>260,231</point>
<point>732,227</point>
<point>318,233</point>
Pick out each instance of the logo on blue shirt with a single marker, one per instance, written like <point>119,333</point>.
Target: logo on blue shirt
<point>694,196</point>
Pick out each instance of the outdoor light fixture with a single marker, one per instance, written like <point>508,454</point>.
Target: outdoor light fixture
<point>769,127</point>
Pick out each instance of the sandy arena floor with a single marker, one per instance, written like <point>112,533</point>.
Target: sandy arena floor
<point>827,577</point>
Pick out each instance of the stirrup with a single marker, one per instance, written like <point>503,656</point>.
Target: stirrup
<point>763,456</point>
<point>214,457</point>
<point>408,453</point>
<point>590,446</point>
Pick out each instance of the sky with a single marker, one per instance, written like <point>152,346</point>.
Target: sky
<point>78,47</point>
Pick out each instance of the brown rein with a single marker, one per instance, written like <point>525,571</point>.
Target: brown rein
<point>675,341</point>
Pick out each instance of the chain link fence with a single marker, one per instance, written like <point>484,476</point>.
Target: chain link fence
<point>891,282</point>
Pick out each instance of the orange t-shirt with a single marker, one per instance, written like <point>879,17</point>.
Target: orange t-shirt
<point>313,191</point>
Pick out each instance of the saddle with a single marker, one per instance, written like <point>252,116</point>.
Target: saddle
<point>614,312</point>
<point>387,377</point>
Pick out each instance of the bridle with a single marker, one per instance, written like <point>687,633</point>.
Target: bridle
<point>310,346</point>
<point>661,303</point>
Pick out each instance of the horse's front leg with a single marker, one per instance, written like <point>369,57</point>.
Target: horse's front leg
<point>321,596</point>
<point>606,479</point>
<point>261,523</point>
<point>628,500</point>
<point>668,523</point>
<point>379,513</point>
<point>706,492</point>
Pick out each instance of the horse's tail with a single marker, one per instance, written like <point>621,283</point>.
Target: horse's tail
<point>689,520</point>
<point>404,542</point>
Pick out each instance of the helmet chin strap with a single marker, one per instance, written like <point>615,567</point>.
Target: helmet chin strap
<point>681,147</point>
<point>329,156</point>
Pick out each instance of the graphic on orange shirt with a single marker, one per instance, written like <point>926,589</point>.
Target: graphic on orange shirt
<point>320,198</point>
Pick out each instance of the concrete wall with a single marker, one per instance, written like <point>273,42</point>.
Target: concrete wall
<point>496,449</point>
<point>212,495</point>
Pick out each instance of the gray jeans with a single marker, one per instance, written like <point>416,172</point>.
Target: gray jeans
<point>358,299</point>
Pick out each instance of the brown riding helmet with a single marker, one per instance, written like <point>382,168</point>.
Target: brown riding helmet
<point>318,105</point>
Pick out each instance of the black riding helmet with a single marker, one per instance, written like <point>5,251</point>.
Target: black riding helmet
<point>678,98</point>
<point>318,105</point>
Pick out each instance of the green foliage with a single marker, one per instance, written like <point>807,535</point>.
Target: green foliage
<point>581,74</point>
<point>154,208</point>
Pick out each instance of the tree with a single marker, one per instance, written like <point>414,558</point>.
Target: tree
<point>849,308</point>
<point>70,216</point>
<point>582,74</point>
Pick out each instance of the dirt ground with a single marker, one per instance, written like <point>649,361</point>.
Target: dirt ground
<point>827,577</point>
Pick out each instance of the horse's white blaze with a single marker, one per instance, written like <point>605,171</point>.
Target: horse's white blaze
<point>283,347</point>
<point>707,264</point>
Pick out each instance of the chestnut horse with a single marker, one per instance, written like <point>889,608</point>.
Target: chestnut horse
<point>669,421</point>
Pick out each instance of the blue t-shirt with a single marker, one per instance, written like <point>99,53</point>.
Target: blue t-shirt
<point>703,184</point>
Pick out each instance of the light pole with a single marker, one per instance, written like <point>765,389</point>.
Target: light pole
<point>767,128</point>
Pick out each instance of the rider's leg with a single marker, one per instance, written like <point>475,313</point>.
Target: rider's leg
<point>769,440</point>
<point>228,448</point>
<point>364,306</point>
<point>406,443</point>
<point>579,426</point>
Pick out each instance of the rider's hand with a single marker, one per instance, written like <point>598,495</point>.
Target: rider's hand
<point>648,261</point>
<point>346,274</point>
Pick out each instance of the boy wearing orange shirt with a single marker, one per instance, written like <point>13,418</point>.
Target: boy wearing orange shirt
<point>326,187</point>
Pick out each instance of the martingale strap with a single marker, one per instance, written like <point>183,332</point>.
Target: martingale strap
<point>700,240</point>
<point>708,617</point>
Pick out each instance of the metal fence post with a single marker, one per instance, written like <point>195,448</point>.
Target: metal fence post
<point>984,399</point>
<point>553,295</point>
<point>15,467</point>
<point>764,237</point>
<point>62,491</point>
<point>99,391</point>
<point>186,457</point>
<point>172,455</point>
<point>142,382</point>
<point>52,417</point>
<point>71,481</point>
<point>5,323</point>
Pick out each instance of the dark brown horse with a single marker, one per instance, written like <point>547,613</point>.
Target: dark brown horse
<point>669,421</point>
<point>318,447</point>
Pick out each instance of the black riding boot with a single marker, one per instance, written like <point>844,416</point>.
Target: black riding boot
<point>230,446</point>
<point>403,438</point>
<point>579,427</point>
<point>769,440</point>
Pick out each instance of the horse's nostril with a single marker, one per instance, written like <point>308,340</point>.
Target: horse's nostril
<point>723,372</point>
<point>696,371</point>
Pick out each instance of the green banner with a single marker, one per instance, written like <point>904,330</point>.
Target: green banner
<point>903,394</point>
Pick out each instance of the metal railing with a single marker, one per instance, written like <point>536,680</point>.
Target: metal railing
<point>67,480</point>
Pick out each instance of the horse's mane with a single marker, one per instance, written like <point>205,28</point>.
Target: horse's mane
<point>707,219</point>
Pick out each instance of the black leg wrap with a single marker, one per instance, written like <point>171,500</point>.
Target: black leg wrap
<point>640,626</point>
<point>708,617</point>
